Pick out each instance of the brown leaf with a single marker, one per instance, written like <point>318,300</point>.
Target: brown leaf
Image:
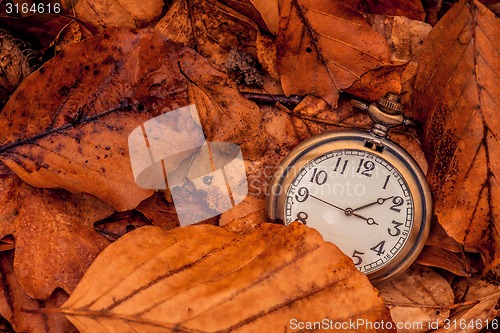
<point>246,216</point>
<point>408,8</point>
<point>38,30</point>
<point>324,47</point>
<point>54,237</point>
<point>118,224</point>
<point>214,35</point>
<point>118,13</point>
<point>207,279</point>
<point>405,38</point>
<point>225,114</point>
<point>456,94</point>
<point>419,295</point>
<point>375,83</point>
<point>67,125</point>
<point>439,238</point>
<point>440,258</point>
<point>479,310</point>
<point>269,11</point>
<point>23,312</point>
<point>266,17</point>
<point>159,212</point>
<point>266,54</point>
<point>72,33</point>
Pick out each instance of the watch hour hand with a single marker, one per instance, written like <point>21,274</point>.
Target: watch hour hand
<point>379,201</point>
<point>368,220</point>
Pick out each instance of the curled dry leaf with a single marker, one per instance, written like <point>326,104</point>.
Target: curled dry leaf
<point>225,114</point>
<point>205,279</point>
<point>118,13</point>
<point>213,35</point>
<point>440,258</point>
<point>408,8</point>
<point>419,295</point>
<point>264,13</point>
<point>405,38</point>
<point>67,125</point>
<point>479,310</point>
<point>324,47</point>
<point>72,33</point>
<point>159,212</point>
<point>457,96</point>
<point>25,313</point>
<point>118,224</point>
<point>55,241</point>
<point>266,54</point>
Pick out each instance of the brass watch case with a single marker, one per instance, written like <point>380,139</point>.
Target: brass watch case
<point>388,150</point>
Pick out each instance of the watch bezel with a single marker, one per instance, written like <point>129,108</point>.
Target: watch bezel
<point>324,143</point>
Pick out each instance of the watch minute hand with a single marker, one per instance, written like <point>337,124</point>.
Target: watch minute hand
<point>379,201</point>
<point>326,202</point>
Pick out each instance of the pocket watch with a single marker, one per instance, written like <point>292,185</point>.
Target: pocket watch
<point>360,190</point>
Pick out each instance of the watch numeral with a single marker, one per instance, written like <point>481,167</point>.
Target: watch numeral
<point>397,201</point>
<point>319,177</point>
<point>357,255</point>
<point>396,229</point>
<point>343,166</point>
<point>379,248</point>
<point>302,217</point>
<point>386,181</point>
<point>302,194</point>
<point>368,167</point>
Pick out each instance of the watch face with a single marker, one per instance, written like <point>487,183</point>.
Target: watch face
<point>357,200</point>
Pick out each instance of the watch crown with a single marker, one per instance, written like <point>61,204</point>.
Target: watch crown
<point>391,102</point>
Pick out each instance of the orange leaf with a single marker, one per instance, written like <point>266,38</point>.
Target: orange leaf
<point>25,313</point>
<point>205,279</point>
<point>67,125</point>
<point>457,95</point>
<point>55,238</point>
<point>324,47</point>
<point>212,35</point>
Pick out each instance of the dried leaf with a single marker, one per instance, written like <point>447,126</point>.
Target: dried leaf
<point>270,13</point>
<point>408,8</point>
<point>54,237</point>
<point>120,223</point>
<point>159,212</point>
<point>405,38</point>
<point>38,30</point>
<point>24,312</point>
<point>439,238</point>
<point>324,47</point>
<point>72,33</point>
<point>419,295</point>
<point>376,83</point>
<point>246,216</point>
<point>67,125</point>
<point>266,54</point>
<point>225,114</point>
<point>203,278</point>
<point>250,10</point>
<point>214,35</point>
<point>480,309</point>
<point>456,94</point>
<point>440,258</point>
<point>118,13</point>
